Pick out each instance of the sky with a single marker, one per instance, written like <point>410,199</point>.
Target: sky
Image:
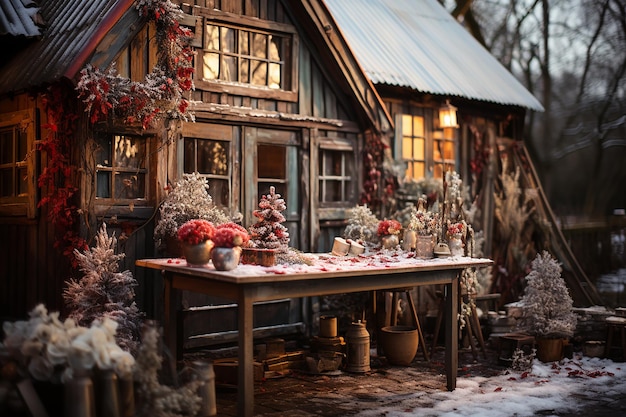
<point>547,389</point>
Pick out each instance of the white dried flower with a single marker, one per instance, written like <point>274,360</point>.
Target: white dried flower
<point>123,362</point>
<point>58,351</point>
<point>40,368</point>
<point>51,350</point>
<point>31,347</point>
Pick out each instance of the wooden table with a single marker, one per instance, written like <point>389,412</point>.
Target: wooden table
<point>249,284</point>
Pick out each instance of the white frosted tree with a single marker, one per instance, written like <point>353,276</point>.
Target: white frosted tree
<point>104,291</point>
<point>547,304</point>
<point>269,232</point>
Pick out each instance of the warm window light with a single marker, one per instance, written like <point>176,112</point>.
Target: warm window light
<point>447,115</point>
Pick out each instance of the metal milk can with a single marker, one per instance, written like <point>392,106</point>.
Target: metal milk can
<point>206,373</point>
<point>358,348</point>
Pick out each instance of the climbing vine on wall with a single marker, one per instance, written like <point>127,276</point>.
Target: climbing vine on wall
<point>161,94</point>
<point>105,94</point>
<point>378,188</point>
<point>57,179</point>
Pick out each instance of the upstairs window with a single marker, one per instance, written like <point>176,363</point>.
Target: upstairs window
<point>121,168</point>
<point>246,56</point>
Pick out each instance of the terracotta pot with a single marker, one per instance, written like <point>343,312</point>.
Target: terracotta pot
<point>399,344</point>
<point>198,255</point>
<point>550,349</point>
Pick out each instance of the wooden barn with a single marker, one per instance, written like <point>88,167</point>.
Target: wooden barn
<point>295,115</point>
<point>317,98</point>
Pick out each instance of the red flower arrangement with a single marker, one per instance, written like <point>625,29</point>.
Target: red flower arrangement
<point>196,231</point>
<point>229,235</point>
<point>455,229</point>
<point>389,227</point>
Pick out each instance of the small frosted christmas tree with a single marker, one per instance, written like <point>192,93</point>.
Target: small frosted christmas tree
<point>104,291</point>
<point>547,305</point>
<point>269,232</point>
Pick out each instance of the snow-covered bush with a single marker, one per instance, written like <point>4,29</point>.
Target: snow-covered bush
<point>189,199</point>
<point>362,226</point>
<point>547,304</point>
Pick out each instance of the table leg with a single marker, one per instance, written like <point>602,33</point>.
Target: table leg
<point>452,335</point>
<point>169,317</point>
<point>245,394</point>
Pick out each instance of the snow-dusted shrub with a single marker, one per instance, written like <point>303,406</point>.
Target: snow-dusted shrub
<point>547,304</point>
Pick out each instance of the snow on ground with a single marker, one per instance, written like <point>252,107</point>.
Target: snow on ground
<point>548,389</point>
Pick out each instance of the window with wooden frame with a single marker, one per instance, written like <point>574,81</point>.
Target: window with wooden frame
<point>260,55</point>
<point>444,151</point>
<point>121,169</point>
<point>425,151</point>
<point>17,164</point>
<point>337,173</point>
<point>272,158</point>
<point>413,145</point>
<point>211,158</point>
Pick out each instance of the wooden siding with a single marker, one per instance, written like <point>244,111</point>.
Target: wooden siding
<point>32,271</point>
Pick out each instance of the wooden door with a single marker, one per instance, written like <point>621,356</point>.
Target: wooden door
<point>267,157</point>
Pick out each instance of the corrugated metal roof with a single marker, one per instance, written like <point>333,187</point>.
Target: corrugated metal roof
<point>418,44</point>
<point>18,17</point>
<point>73,28</point>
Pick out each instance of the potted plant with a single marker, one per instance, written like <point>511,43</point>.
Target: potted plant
<point>388,231</point>
<point>425,223</point>
<point>547,308</point>
<point>228,240</point>
<point>188,199</point>
<point>268,236</point>
<point>196,238</point>
<point>60,359</point>
<point>454,235</point>
<point>362,227</point>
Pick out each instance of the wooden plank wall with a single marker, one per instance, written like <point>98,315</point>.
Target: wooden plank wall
<point>32,271</point>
